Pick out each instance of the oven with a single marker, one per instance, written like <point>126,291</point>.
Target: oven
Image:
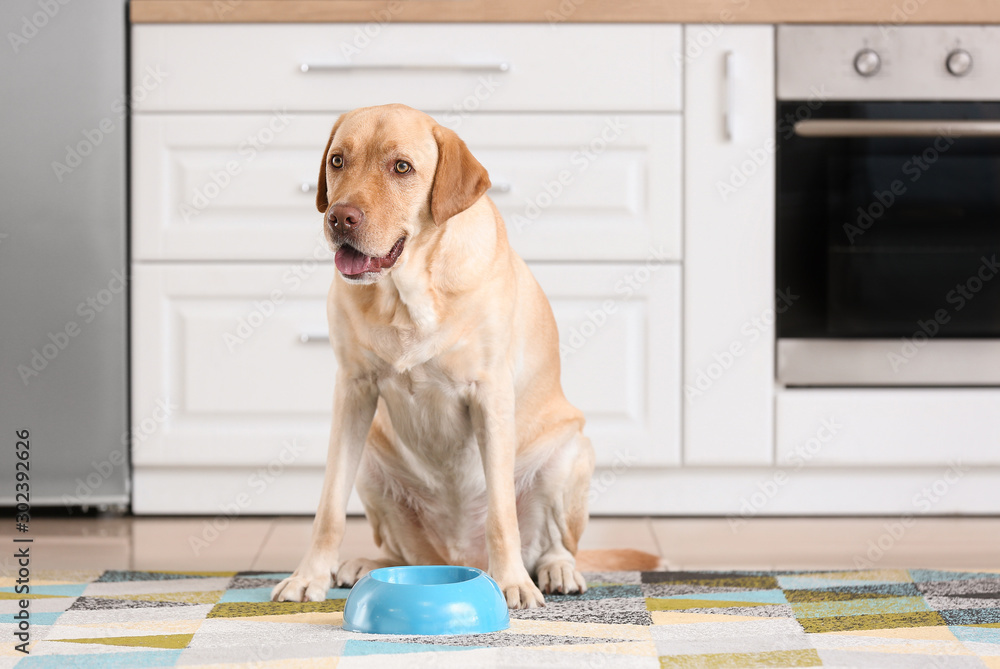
<point>888,206</point>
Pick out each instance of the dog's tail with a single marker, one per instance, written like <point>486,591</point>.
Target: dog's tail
<point>620,559</point>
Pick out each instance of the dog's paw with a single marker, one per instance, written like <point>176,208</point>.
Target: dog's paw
<point>352,570</point>
<point>561,577</point>
<point>303,587</point>
<point>521,592</point>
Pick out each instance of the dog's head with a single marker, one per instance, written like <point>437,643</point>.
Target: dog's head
<point>388,174</point>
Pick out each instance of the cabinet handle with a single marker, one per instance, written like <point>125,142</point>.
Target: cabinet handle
<point>728,115</point>
<point>306,68</point>
<point>307,187</point>
<point>313,338</point>
<point>836,127</point>
<point>501,188</point>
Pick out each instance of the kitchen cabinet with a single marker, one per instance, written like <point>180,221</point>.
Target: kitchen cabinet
<point>729,292</point>
<point>231,271</point>
<point>634,165</point>
<point>572,187</point>
<point>458,68</point>
<point>888,427</point>
<point>241,355</point>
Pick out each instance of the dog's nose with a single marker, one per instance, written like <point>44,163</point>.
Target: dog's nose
<point>345,215</point>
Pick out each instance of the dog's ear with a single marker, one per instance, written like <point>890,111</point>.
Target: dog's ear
<point>321,196</point>
<point>459,179</point>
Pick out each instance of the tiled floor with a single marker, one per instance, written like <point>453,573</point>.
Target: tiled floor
<point>762,543</point>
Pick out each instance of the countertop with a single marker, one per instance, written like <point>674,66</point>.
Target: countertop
<point>895,12</point>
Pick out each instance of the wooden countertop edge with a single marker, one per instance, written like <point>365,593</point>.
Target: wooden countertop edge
<point>892,12</point>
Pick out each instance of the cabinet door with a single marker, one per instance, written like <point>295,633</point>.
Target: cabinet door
<point>729,292</point>
<point>233,375</point>
<point>619,336</point>
<point>569,186</point>
<point>455,68</point>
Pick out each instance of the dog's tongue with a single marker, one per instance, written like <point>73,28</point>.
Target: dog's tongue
<point>352,261</point>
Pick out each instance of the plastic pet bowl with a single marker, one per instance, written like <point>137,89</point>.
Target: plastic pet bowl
<point>437,599</point>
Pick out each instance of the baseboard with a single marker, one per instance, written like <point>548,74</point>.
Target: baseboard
<point>702,491</point>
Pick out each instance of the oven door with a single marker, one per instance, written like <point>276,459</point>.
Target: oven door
<point>888,235</point>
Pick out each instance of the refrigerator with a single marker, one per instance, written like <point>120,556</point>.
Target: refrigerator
<point>64,290</point>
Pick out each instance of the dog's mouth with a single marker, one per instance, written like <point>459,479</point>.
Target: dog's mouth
<point>352,263</point>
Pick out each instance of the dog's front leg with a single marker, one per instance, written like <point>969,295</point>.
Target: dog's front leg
<point>491,408</point>
<point>354,405</point>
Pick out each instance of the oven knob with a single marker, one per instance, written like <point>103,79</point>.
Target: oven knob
<point>867,63</point>
<point>959,62</point>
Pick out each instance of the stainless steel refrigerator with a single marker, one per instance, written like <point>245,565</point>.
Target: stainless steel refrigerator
<point>63,259</point>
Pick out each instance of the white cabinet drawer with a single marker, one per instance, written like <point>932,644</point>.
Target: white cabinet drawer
<point>570,186</point>
<point>442,67</point>
<point>223,346</point>
<point>620,344</point>
<point>884,426</point>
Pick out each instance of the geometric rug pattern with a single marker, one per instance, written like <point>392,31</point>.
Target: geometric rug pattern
<point>891,618</point>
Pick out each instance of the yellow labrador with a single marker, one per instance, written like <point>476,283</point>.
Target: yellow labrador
<point>448,412</point>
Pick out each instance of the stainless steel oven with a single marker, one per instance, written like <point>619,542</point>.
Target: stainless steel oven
<point>888,205</point>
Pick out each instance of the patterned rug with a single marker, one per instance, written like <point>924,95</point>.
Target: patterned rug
<point>881,618</point>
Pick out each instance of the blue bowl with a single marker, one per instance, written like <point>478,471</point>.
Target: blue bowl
<point>435,599</point>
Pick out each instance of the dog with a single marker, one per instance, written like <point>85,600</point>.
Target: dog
<point>448,412</point>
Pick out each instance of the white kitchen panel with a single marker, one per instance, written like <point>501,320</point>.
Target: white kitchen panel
<point>889,427</point>
<point>570,187</point>
<point>237,354</point>
<point>741,494</point>
<point>619,333</point>
<point>729,291</point>
<point>455,68</point>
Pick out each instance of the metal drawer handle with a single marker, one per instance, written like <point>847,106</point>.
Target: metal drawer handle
<point>729,115</point>
<point>502,187</point>
<point>502,66</point>
<point>895,128</point>
<point>312,338</point>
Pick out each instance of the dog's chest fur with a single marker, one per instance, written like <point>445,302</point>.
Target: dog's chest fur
<point>424,371</point>
<point>436,465</point>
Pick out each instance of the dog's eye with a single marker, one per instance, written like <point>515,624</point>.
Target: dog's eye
<point>337,161</point>
<point>402,166</point>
